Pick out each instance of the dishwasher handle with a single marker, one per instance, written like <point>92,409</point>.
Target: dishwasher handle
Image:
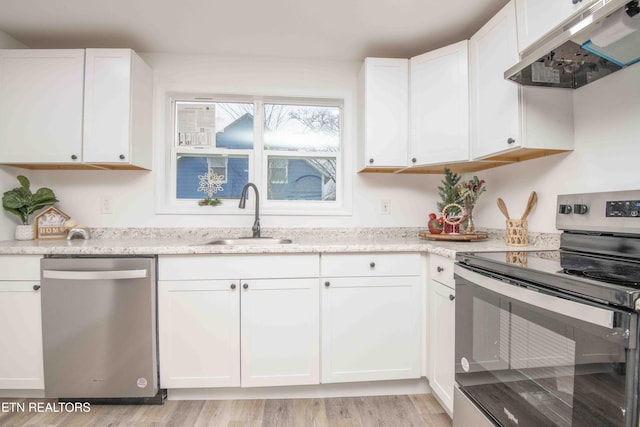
<point>94,275</point>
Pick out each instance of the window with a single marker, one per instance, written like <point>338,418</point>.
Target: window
<point>293,155</point>
<point>301,145</point>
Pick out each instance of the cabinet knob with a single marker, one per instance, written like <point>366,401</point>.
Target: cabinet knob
<point>74,157</point>
<point>233,286</point>
<point>452,297</point>
<point>510,141</point>
<point>245,286</point>
<point>122,157</point>
<point>439,269</point>
<point>372,264</point>
<point>36,287</point>
<point>327,284</point>
<point>414,160</point>
<point>576,1</point>
<point>371,161</point>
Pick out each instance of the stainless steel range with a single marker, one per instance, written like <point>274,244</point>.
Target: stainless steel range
<point>551,337</point>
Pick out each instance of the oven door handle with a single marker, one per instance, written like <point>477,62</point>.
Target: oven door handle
<point>583,312</point>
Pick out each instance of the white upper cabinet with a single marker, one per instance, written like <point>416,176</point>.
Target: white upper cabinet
<point>509,122</point>
<point>117,109</point>
<point>41,106</point>
<point>538,17</point>
<point>55,112</point>
<point>383,114</point>
<point>439,106</point>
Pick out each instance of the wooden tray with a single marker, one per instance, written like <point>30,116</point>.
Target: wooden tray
<point>454,237</point>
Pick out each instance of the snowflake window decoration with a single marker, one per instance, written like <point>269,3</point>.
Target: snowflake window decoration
<point>210,183</point>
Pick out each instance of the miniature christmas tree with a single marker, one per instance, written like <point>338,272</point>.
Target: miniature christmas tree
<point>449,192</point>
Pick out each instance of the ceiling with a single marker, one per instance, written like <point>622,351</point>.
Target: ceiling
<point>328,29</point>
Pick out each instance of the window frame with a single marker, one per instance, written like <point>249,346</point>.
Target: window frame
<point>257,159</point>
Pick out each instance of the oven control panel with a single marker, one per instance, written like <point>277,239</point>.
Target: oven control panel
<point>606,212</point>
<point>623,208</point>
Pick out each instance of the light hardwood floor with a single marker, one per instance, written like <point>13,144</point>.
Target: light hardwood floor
<point>389,411</point>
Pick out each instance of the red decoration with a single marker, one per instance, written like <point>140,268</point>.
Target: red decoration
<point>435,224</point>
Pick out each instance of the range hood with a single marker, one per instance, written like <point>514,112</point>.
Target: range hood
<point>599,41</point>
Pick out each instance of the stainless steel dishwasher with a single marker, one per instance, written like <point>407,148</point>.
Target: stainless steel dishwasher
<point>99,328</point>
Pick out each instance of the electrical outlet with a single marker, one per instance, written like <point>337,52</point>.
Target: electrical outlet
<point>106,205</point>
<point>385,207</point>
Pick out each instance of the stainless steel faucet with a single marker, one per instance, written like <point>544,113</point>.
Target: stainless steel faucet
<point>243,199</point>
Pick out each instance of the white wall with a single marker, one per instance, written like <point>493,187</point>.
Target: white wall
<point>606,156</point>
<point>7,177</point>
<point>133,192</point>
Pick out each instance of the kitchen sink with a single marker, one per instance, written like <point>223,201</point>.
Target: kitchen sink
<point>250,241</point>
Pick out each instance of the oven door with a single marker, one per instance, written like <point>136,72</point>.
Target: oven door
<point>527,356</point>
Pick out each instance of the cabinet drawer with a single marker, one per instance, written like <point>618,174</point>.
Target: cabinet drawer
<point>370,264</point>
<point>20,267</point>
<point>441,270</point>
<point>227,266</point>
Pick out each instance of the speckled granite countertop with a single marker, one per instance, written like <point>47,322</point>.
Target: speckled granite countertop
<point>163,241</point>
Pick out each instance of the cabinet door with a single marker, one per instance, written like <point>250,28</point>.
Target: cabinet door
<point>537,17</point>
<point>107,108</point>
<point>442,321</point>
<point>41,95</point>
<point>199,333</point>
<point>280,332</point>
<point>370,328</point>
<point>439,92</point>
<point>495,102</point>
<point>21,365</point>
<point>386,109</point>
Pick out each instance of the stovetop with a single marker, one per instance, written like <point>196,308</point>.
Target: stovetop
<point>599,256</point>
<point>602,279</point>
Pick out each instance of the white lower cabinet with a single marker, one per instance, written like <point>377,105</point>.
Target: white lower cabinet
<point>21,365</point>
<point>238,320</point>
<point>371,327</point>
<point>442,334</point>
<point>280,332</point>
<point>443,342</point>
<point>199,333</point>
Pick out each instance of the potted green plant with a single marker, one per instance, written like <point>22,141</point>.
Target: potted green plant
<point>22,202</point>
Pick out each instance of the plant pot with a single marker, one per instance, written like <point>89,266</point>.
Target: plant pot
<point>24,232</point>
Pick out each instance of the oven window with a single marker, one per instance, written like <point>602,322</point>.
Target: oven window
<point>527,366</point>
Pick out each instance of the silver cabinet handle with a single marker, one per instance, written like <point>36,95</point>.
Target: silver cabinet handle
<point>451,297</point>
<point>36,287</point>
<point>94,275</point>
<point>245,286</point>
<point>372,264</point>
<point>510,141</point>
<point>233,286</point>
<point>327,284</point>
<point>439,269</point>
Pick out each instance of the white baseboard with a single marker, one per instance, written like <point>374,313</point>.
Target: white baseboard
<point>22,394</point>
<point>372,388</point>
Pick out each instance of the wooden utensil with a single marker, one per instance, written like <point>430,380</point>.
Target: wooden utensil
<point>503,208</point>
<point>533,199</point>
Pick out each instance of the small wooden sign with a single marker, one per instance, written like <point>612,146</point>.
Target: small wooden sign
<point>49,224</point>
